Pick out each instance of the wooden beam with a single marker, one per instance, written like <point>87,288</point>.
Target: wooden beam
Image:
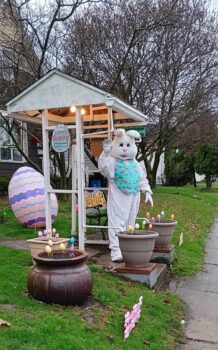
<point>91,111</point>
<point>98,108</point>
<point>101,136</point>
<point>85,118</point>
<point>118,116</point>
<point>124,125</point>
<point>96,126</point>
<point>26,119</point>
<point>100,117</point>
<point>70,119</point>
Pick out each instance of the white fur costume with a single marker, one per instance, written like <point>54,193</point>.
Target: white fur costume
<point>122,208</point>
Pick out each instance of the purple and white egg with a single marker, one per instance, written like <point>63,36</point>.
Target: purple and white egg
<point>27,198</point>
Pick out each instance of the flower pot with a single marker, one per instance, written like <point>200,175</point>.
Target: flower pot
<point>137,247</point>
<point>165,228</point>
<point>37,245</point>
<point>60,279</point>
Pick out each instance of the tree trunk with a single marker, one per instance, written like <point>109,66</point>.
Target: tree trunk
<point>148,170</point>
<point>153,178</point>
<point>154,168</point>
<point>208,181</point>
<point>194,180</point>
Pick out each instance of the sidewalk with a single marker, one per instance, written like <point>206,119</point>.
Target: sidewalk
<point>200,294</point>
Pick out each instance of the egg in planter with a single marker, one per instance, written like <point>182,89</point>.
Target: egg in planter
<point>27,198</point>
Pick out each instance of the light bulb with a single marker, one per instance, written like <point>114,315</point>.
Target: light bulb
<point>83,111</point>
<point>73,109</point>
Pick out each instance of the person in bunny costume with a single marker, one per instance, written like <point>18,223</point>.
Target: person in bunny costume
<point>126,179</point>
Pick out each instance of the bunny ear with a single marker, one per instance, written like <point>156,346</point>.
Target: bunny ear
<point>134,134</point>
<point>119,132</point>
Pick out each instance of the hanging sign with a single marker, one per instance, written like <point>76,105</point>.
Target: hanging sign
<point>141,130</point>
<point>60,139</point>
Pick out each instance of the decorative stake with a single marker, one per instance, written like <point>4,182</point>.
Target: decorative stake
<point>49,233</point>
<point>131,318</point>
<point>162,213</point>
<point>130,228</point>
<point>172,217</point>
<point>45,232</point>
<point>72,249</point>
<point>62,246</point>
<point>50,243</point>
<point>181,239</point>
<point>150,227</point>
<point>143,224</point>
<point>137,226</point>
<point>72,240</point>
<point>147,215</point>
<point>158,217</point>
<point>48,250</point>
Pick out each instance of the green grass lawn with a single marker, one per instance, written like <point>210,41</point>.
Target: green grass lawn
<point>98,325</point>
<point>194,209</point>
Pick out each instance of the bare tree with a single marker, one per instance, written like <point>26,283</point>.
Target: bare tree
<point>161,57</point>
<point>30,44</point>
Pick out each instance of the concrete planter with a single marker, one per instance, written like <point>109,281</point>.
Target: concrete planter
<point>37,245</point>
<point>137,247</point>
<point>165,228</point>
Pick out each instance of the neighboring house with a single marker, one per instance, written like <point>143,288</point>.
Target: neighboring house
<point>15,69</point>
<point>14,76</point>
<point>199,178</point>
<point>10,157</point>
<point>160,177</point>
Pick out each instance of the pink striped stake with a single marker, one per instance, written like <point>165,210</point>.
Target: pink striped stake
<point>131,318</point>
<point>158,217</point>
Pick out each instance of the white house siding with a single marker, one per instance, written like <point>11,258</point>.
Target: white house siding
<point>160,171</point>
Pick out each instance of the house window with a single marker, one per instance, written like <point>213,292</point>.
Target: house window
<point>8,151</point>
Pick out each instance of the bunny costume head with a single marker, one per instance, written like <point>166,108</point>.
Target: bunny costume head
<point>123,146</point>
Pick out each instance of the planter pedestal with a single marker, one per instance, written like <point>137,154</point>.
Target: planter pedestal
<point>164,254</point>
<point>153,275</point>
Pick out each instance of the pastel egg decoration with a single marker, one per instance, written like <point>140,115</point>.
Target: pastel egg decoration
<point>27,198</point>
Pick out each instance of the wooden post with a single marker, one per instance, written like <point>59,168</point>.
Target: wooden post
<point>110,115</point>
<point>80,175</point>
<point>74,172</point>
<point>46,169</point>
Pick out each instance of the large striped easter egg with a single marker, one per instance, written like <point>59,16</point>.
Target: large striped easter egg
<point>27,197</point>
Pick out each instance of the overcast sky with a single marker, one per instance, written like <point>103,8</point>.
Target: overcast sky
<point>214,4</point>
